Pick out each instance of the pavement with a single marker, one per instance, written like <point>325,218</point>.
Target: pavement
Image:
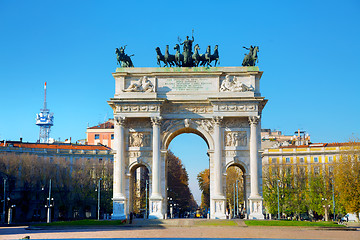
<point>177,228</point>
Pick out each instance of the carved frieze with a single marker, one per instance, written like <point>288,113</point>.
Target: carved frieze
<point>233,84</point>
<point>137,108</point>
<point>234,139</point>
<point>136,123</point>
<point>139,139</point>
<point>235,123</point>
<point>182,108</point>
<point>238,108</point>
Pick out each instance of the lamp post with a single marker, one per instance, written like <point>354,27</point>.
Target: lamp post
<point>237,198</point>
<point>277,183</point>
<point>234,201</point>
<point>333,198</point>
<point>4,202</point>
<point>49,199</point>
<point>146,197</point>
<point>98,206</point>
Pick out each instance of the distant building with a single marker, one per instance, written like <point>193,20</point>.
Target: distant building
<point>275,138</point>
<point>67,151</point>
<point>102,133</point>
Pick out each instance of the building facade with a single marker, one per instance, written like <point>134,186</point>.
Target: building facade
<point>26,199</point>
<point>103,134</point>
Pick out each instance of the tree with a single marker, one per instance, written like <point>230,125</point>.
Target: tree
<point>233,175</point>
<point>204,185</point>
<point>347,178</point>
<point>178,185</point>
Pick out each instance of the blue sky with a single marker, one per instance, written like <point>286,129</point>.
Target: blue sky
<point>309,52</point>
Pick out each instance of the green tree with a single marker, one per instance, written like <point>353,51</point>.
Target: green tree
<point>178,185</point>
<point>347,178</point>
<point>233,175</point>
<point>204,185</point>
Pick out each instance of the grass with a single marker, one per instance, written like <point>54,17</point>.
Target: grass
<point>86,222</point>
<point>290,223</point>
<point>217,223</point>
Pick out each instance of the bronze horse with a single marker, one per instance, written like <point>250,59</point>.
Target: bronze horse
<point>123,59</point>
<point>251,58</point>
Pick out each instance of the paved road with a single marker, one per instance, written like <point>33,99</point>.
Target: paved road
<point>179,232</point>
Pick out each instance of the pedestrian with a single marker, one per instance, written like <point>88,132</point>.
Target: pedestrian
<point>131,217</point>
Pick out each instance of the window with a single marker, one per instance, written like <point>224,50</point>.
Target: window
<point>97,136</point>
<point>287,160</point>
<point>316,159</point>
<point>112,136</point>
<point>331,159</point>
<point>316,170</point>
<point>302,160</point>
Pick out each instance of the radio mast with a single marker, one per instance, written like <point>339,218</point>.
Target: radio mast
<point>45,120</point>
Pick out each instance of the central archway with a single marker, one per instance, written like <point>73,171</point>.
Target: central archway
<point>188,149</point>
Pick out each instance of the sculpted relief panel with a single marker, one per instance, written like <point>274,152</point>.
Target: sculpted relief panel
<point>234,85</point>
<point>234,139</point>
<point>142,85</point>
<point>140,139</point>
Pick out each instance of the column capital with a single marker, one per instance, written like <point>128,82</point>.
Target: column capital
<point>217,120</point>
<point>254,119</point>
<point>120,120</point>
<point>156,120</point>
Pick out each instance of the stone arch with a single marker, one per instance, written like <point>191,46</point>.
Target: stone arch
<point>180,128</point>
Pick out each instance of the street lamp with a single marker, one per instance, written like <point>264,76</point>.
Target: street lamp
<point>146,197</point>
<point>277,183</point>
<point>98,207</point>
<point>234,200</point>
<point>4,202</point>
<point>333,198</point>
<point>237,198</point>
<point>49,205</point>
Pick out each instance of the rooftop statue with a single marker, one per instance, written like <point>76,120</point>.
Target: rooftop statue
<point>189,57</point>
<point>251,58</point>
<point>123,59</point>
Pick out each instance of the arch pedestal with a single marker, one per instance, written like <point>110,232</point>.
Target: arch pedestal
<point>221,105</point>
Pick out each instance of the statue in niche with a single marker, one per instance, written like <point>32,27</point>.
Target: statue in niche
<point>142,85</point>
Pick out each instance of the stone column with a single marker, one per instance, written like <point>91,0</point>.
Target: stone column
<point>218,196</point>
<point>119,196</point>
<point>156,199</point>
<point>255,200</point>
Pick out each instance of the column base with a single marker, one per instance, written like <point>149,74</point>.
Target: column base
<point>256,208</point>
<point>119,209</point>
<point>218,208</point>
<point>156,208</point>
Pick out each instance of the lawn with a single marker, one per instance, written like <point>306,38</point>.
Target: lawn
<point>216,223</point>
<point>290,223</point>
<point>87,222</point>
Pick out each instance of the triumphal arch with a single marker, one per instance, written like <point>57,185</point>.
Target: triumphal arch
<point>223,105</point>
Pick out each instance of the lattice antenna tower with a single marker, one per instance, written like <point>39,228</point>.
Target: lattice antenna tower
<point>45,120</point>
